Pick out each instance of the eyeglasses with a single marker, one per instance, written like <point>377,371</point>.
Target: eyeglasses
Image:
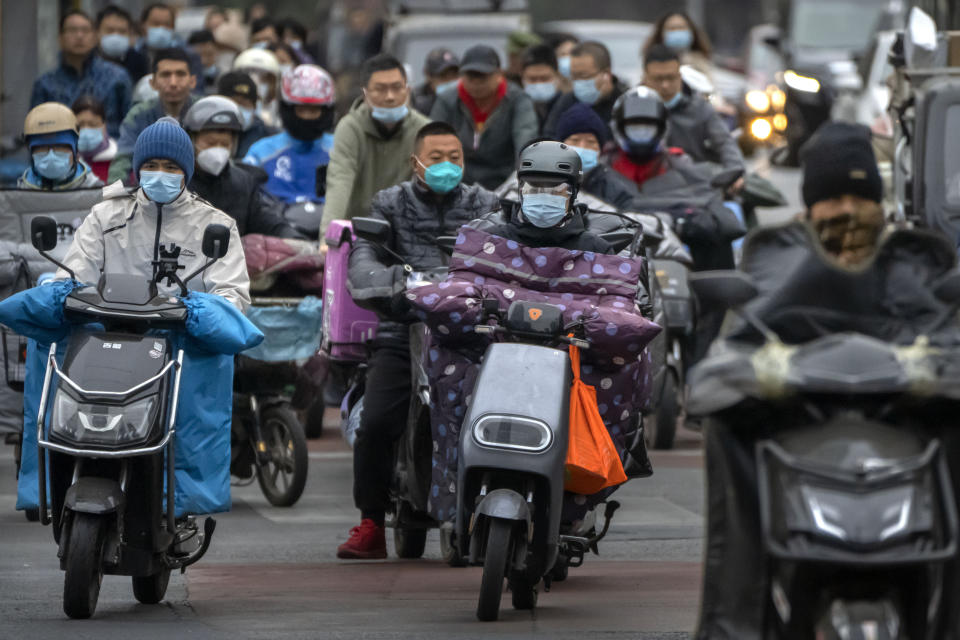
<point>379,90</point>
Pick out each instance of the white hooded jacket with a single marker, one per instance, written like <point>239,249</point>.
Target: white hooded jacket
<point>123,232</point>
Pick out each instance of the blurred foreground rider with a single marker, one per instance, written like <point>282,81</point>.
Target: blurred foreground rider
<point>236,189</point>
<point>842,190</point>
<point>50,130</point>
<point>434,203</point>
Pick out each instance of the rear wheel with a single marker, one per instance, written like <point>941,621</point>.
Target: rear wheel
<point>151,589</point>
<point>667,414</point>
<point>284,475</point>
<point>448,548</point>
<point>494,568</point>
<point>84,572</point>
<point>524,593</point>
<point>410,543</point>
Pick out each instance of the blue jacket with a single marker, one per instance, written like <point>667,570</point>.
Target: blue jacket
<point>107,82</point>
<point>291,165</point>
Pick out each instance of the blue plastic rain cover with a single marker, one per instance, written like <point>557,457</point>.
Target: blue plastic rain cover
<point>291,333</point>
<point>215,332</point>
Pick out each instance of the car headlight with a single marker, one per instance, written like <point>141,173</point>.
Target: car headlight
<point>761,129</point>
<point>758,101</point>
<point>801,83</point>
<point>777,98</point>
<point>513,432</point>
<point>102,423</point>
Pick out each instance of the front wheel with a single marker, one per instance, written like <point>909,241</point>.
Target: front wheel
<point>494,568</point>
<point>283,476</point>
<point>151,589</point>
<point>410,543</point>
<point>84,571</point>
<point>667,414</point>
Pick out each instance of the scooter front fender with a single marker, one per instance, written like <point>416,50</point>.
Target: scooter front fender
<point>94,495</point>
<point>505,504</point>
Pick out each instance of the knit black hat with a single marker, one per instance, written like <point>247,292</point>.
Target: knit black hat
<point>580,118</point>
<point>838,160</point>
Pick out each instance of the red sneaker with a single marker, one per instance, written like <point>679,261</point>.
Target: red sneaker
<point>367,542</point>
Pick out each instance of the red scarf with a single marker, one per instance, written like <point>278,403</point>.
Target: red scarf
<point>479,116</point>
<point>640,173</point>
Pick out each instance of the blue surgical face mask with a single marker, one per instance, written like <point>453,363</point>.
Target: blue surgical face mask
<point>588,158</point>
<point>586,90</point>
<point>296,44</point>
<point>263,44</point>
<point>90,138</point>
<point>389,115</point>
<point>160,186</point>
<point>541,91</point>
<point>442,177</point>
<point>212,71</point>
<point>680,39</point>
<point>246,118</point>
<point>159,37</point>
<point>53,165</point>
<point>642,133</point>
<point>544,210</point>
<point>674,101</point>
<point>115,45</point>
<point>563,66</point>
<point>446,87</point>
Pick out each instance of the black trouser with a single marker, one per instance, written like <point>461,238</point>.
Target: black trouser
<point>386,402</point>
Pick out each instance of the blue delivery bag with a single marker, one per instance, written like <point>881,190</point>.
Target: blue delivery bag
<point>292,332</point>
<point>215,332</point>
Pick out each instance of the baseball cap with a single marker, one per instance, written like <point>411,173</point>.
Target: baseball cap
<point>480,59</point>
<point>439,60</point>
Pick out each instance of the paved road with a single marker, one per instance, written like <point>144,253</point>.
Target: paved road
<point>273,573</point>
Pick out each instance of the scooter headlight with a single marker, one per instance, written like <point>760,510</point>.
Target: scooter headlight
<point>513,432</point>
<point>102,423</point>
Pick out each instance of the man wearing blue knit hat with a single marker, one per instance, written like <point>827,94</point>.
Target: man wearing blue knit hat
<point>125,231</point>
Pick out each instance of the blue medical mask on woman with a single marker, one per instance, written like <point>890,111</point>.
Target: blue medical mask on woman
<point>588,158</point>
<point>115,45</point>
<point>586,90</point>
<point>159,37</point>
<point>446,87</point>
<point>389,115</point>
<point>544,210</point>
<point>563,66</point>
<point>541,91</point>
<point>680,39</point>
<point>53,165</point>
<point>442,177</point>
<point>90,138</point>
<point>160,186</point>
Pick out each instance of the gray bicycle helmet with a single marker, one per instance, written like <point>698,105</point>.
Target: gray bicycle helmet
<point>548,162</point>
<point>213,113</point>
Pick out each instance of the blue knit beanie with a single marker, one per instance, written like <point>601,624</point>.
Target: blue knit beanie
<point>580,118</point>
<point>165,138</point>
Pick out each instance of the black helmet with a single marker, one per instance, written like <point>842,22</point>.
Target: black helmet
<point>213,113</point>
<point>639,122</point>
<point>550,163</point>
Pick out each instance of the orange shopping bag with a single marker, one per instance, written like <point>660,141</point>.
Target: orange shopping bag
<point>592,460</point>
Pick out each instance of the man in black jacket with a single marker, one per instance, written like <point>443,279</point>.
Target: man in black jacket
<point>234,188</point>
<point>593,85</point>
<point>434,203</point>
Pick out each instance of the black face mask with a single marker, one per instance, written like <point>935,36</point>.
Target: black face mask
<point>305,130</point>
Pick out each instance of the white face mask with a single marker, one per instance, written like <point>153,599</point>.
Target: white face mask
<point>213,160</point>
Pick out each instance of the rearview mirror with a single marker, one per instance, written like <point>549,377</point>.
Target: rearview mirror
<point>216,240</point>
<point>725,179</point>
<point>372,229</point>
<point>43,233</point>
<point>618,240</point>
<point>947,288</point>
<point>723,289</point>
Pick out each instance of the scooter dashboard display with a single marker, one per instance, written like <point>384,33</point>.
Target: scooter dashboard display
<point>101,304</point>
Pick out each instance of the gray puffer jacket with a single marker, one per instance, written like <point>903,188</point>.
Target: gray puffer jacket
<point>417,217</point>
<point>696,127</point>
